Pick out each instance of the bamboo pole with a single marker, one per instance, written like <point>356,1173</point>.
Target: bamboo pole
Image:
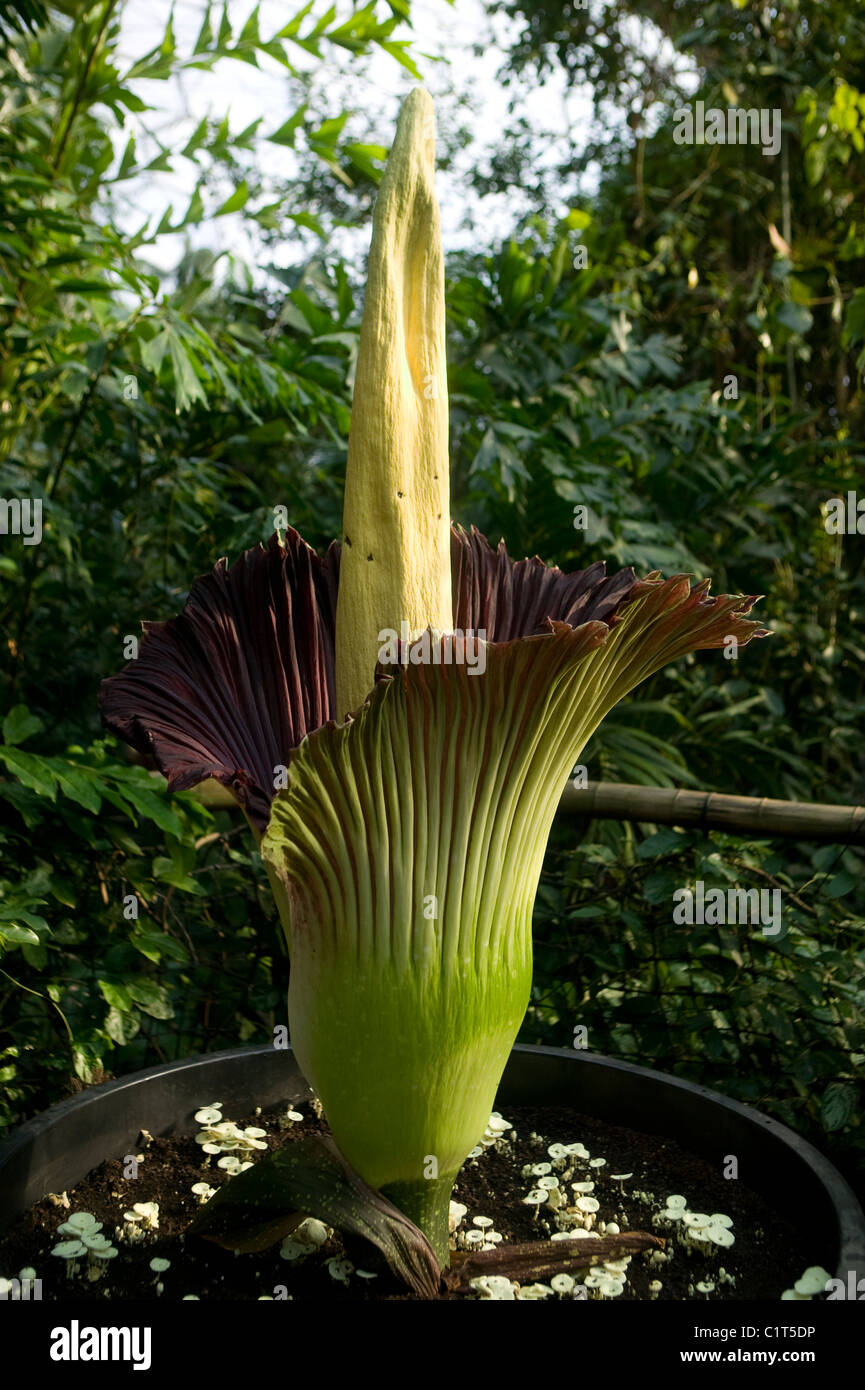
<point>737,815</point>
<point>794,820</point>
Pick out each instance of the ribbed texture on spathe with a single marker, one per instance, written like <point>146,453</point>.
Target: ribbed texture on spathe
<point>514,598</point>
<point>232,685</point>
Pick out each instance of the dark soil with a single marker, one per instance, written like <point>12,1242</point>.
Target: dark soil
<point>767,1257</point>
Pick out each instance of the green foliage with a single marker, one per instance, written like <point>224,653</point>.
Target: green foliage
<point>565,394</point>
<point>775,1021</point>
<point>20,15</point>
<point>152,421</point>
<point>160,425</point>
<point>128,922</point>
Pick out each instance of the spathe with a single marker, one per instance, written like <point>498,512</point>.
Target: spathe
<point>230,687</point>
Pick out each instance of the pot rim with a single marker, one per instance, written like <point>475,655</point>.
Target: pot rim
<point>849,1216</point>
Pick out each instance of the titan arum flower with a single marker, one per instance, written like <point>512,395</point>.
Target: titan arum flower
<point>406,838</point>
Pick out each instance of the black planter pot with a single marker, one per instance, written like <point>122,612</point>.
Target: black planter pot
<point>57,1149</point>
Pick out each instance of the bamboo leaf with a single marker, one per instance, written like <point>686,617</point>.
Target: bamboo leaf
<point>204,42</point>
<point>238,200</point>
<point>288,130</point>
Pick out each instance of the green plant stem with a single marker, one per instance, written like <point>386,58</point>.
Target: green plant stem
<point>426,1202</point>
<point>37,995</point>
<point>82,83</point>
